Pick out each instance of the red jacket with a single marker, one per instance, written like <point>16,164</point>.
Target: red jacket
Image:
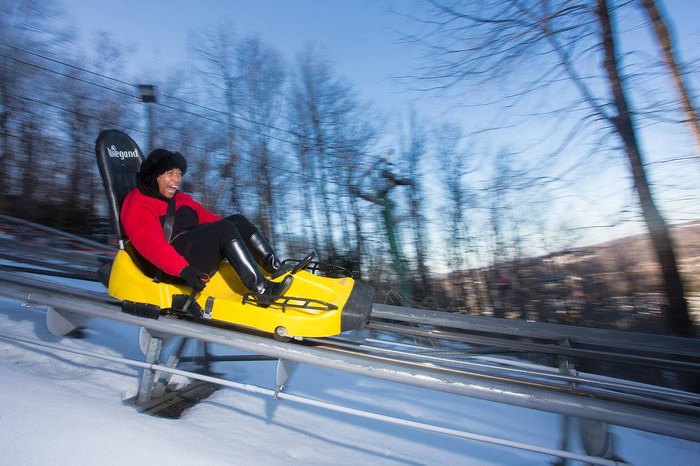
<point>143,218</point>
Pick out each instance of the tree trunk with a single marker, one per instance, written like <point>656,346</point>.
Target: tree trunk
<point>666,43</point>
<point>678,318</point>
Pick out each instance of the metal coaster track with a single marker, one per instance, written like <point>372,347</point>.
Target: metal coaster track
<point>455,363</point>
<point>667,412</point>
<point>646,350</point>
<point>661,351</point>
<point>582,384</point>
<point>528,346</point>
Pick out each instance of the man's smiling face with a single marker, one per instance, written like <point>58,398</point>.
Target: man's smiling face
<point>169,182</point>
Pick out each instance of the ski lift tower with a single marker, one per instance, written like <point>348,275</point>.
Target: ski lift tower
<point>148,96</point>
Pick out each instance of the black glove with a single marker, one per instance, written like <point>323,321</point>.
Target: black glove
<point>196,279</point>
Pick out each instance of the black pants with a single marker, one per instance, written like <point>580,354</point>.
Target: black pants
<point>202,246</point>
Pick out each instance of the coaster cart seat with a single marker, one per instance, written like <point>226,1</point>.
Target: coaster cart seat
<point>315,305</point>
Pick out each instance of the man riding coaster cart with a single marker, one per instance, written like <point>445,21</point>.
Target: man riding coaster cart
<point>178,257</point>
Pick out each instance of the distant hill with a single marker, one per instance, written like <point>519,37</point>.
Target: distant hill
<point>635,253</point>
<point>614,284</point>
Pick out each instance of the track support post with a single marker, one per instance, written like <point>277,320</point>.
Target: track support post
<point>596,439</point>
<point>61,322</point>
<point>282,373</point>
<point>151,347</point>
<point>161,380</point>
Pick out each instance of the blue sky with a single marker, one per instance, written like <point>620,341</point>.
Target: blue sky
<point>362,39</point>
<point>359,36</point>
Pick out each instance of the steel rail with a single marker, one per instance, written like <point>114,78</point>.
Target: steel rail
<point>622,340</point>
<point>62,272</point>
<point>580,380</point>
<point>487,387</point>
<point>23,252</point>
<point>525,383</point>
<point>547,371</point>
<point>538,347</point>
<point>88,243</point>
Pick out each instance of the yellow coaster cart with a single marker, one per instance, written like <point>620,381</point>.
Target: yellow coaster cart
<point>322,301</point>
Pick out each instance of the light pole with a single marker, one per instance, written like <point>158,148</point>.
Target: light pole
<point>148,96</point>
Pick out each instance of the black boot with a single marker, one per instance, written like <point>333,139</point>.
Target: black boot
<point>265,256</point>
<point>266,292</point>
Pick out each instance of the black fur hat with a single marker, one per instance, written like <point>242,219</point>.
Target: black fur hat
<point>158,162</point>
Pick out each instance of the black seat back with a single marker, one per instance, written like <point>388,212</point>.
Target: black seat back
<point>118,159</point>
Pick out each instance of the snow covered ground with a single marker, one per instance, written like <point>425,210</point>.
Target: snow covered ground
<point>64,409</point>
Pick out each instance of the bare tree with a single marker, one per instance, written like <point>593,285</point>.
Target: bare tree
<point>28,29</point>
<point>359,136</point>
<point>413,155</point>
<point>458,210</point>
<point>31,150</point>
<point>262,76</point>
<point>679,318</point>
<point>309,95</point>
<point>675,67</point>
<point>332,146</point>
<point>183,121</point>
<point>88,103</point>
<point>512,208</point>
<point>500,209</point>
<point>485,40</point>
<point>216,51</point>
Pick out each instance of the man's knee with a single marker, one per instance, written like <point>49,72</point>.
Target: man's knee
<point>242,224</point>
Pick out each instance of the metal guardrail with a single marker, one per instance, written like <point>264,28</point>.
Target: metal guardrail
<point>644,342</point>
<point>55,233</point>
